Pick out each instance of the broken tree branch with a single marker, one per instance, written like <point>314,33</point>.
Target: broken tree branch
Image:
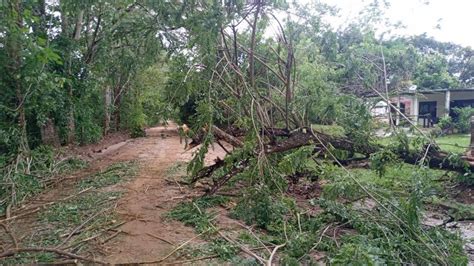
<point>221,134</point>
<point>10,233</point>
<point>12,252</point>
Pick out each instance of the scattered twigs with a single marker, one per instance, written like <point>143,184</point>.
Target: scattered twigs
<point>111,237</point>
<point>81,226</point>
<point>34,210</point>
<point>243,248</point>
<point>317,243</point>
<point>269,262</point>
<point>94,236</point>
<point>396,217</point>
<point>160,238</point>
<point>180,262</point>
<point>174,250</point>
<point>191,260</point>
<point>10,233</point>
<point>254,235</point>
<point>12,252</point>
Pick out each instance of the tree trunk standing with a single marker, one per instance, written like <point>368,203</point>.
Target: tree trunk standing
<point>48,131</point>
<point>14,47</point>
<point>23,147</point>
<point>389,109</point>
<point>76,35</point>
<point>288,96</point>
<point>71,123</point>
<point>116,106</point>
<point>472,136</point>
<point>252,46</point>
<point>107,107</point>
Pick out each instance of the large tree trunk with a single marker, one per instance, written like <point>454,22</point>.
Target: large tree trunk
<point>49,134</point>
<point>117,102</point>
<point>305,137</point>
<point>76,35</point>
<point>71,123</point>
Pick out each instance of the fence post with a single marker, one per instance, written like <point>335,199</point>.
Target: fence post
<point>472,136</point>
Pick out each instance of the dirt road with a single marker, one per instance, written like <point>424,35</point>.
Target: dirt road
<point>150,195</point>
<point>147,235</point>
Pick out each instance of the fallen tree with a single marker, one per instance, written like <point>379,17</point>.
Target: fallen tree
<point>430,154</point>
<point>252,89</point>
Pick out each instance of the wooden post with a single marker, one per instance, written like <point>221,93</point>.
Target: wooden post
<point>472,136</point>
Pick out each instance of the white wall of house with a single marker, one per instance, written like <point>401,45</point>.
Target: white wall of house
<point>440,99</point>
<point>412,103</point>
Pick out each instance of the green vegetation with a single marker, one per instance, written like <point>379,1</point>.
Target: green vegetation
<point>194,213</point>
<point>333,130</point>
<point>197,214</point>
<point>24,179</point>
<point>288,91</point>
<point>349,228</point>
<point>112,175</point>
<point>462,122</point>
<point>67,224</point>
<point>89,212</point>
<point>457,143</point>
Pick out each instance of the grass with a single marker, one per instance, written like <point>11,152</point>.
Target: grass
<point>398,178</point>
<point>457,143</point>
<point>111,176</point>
<point>44,167</point>
<point>177,170</point>
<point>196,214</point>
<point>87,215</point>
<point>333,130</point>
<point>389,232</point>
<point>93,210</point>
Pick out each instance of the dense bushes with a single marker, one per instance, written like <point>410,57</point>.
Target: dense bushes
<point>462,122</point>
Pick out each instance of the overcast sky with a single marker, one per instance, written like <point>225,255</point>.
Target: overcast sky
<point>454,17</point>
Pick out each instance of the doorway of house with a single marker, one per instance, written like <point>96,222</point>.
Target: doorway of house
<point>428,113</point>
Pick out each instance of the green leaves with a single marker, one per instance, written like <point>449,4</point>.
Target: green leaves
<point>381,159</point>
<point>295,161</point>
<point>47,55</point>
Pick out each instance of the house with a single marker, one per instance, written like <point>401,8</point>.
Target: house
<point>425,107</point>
